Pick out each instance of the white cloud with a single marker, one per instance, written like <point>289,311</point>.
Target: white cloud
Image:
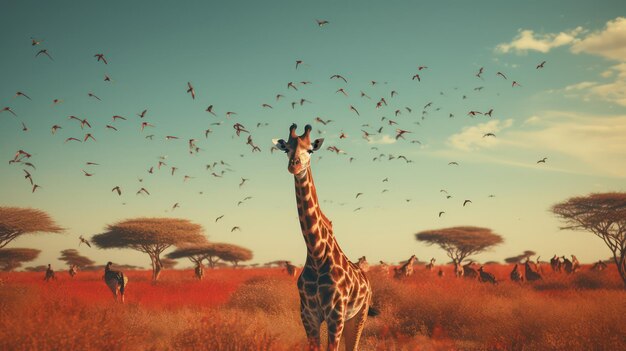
<point>473,138</point>
<point>597,144</point>
<point>527,40</point>
<point>609,43</point>
<point>532,120</point>
<point>382,139</point>
<point>580,86</point>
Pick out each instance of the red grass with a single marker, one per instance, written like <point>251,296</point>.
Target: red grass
<point>257,309</point>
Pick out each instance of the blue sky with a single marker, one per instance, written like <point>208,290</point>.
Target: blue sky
<point>241,54</point>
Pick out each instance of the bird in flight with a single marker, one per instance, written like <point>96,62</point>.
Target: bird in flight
<point>118,190</point>
<point>321,23</point>
<point>93,96</point>
<point>19,93</point>
<point>543,160</point>
<point>338,76</point>
<point>28,176</point>
<point>235,228</point>
<point>218,218</point>
<point>83,241</point>
<point>417,76</point>
<point>8,109</point>
<point>210,110</point>
<point>501,75</point>
<point>466,202</point>
<point>100,57</point>
<point>541,64</point>
<point>239,128</point>
<point>35,186</point>
<point>298,63</point>
<point>87,174</point>
<point>453,163</point>
<point>480,72</point>
<point>400,133</point>
<point>515,83</point>
<point>143,190</point>
<point>191,90</point>
<point>243,181</point>
<point>357,195</point>
<point>489,134</point>
<point>45,52</point>
<point>352,108</point>
<point>441,213</point>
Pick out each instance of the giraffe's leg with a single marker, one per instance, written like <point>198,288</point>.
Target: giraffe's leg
<point>335,325</point>
<point>312,329</point>
<point>353,329</point>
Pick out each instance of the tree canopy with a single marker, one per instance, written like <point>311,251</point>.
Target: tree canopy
<point>460,242</point>
<point>11,259</point>
<point>150,235</point>
<point>16,221</point>
<point>213,252</point>
<point>602,214</point>
<point>72,257</point>
<point>524,255</point>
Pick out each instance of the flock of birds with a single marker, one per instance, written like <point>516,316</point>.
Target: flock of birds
<point>384,104</point>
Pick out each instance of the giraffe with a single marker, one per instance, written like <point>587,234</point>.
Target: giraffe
<point>406,270</point>
<point>116,281</point>
<point>332,289</point>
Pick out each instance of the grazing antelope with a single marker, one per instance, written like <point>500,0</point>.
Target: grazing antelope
<point>199,271</point>
<point>49,274</point>
<point>362,263</point>
<point>516,275</point>
<point>73,270</point>
<point>556,264</point>
<point>406,270</point>
<point>431,265</point>
<point>568,266</point>
<point>599,266</point>
<point>116,281</point>
<point>290,269</point>
<point>469,271</point>
<point>529,273</point>
<point>486,277</point>
<point>575,264</point>
<point>458,269</point>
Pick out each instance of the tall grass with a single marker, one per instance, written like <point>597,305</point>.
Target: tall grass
<point>257,309</point>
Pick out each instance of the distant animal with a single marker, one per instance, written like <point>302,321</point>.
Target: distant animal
<point>556,264</point>
<point>568,266</point>
<point>384,267</point>
<point>116,281</point>
<point>431,265</point>
<point>199,271</point>
<point>73,270</point>
<point>49,274</point>
<point>516,275</point>
<point>486,277</point>
<point>575,264</point>
<point>458,269</point>
<point>363,264</point>
<point>599,266</point>
<point>405,270</point>
<point>529,273</point>
<point>440,274</point>
<point>290,269</point>
<point>469,271</point>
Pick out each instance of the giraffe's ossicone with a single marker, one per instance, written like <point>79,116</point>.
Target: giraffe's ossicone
<point>332,289</point>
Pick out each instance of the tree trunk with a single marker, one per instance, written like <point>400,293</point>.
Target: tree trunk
<point>156,267</point>
<point>620,261</point>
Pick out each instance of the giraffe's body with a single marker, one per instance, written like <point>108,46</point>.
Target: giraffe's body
<point>332,289</point>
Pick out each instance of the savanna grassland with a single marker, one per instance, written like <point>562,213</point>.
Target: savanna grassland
<point>257,309</point>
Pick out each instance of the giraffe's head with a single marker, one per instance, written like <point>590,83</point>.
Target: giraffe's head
<point>298,149</point>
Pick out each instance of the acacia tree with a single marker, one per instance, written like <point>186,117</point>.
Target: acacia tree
<point>525,255</point>
<point>460,242</point>
<point>15,221</point>
<point>151,236</point>
<point>235,254</point>
<point>213,253</point>
<point>168,263</point>
<point>72,257</point>
<point>11,259</point>
<point>604,215</point>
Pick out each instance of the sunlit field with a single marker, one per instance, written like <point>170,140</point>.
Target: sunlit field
<point>257,309</point>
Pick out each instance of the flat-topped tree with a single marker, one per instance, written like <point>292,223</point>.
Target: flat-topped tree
<point>72,257</point>
<point>168,263</point>
<point>460,242</point>
<point>602,214</point>
<point>213,253</point>
<point>11,259</point>
<point>15,221</point>
<point>519,258</point>
<point>235,254</point>
<point>151,236</point>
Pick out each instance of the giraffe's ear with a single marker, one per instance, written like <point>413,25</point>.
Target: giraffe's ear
<point>317,144</point>
<point>280,144</point>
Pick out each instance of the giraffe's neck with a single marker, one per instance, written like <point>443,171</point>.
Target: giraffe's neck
<point>315,226</point>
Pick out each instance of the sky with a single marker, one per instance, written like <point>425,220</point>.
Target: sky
<point>239,55</point>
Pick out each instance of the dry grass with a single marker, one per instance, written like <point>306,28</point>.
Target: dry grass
<point>258,310</point>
